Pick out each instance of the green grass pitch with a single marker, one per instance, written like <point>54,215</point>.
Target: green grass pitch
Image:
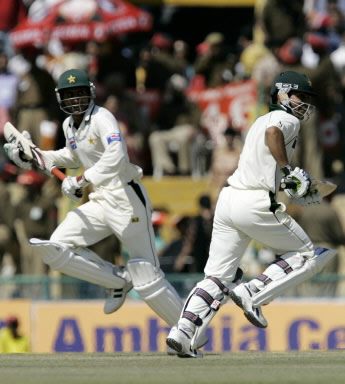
<point>151,368</point>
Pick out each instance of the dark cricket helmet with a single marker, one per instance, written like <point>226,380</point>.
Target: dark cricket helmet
<point>73,83</point>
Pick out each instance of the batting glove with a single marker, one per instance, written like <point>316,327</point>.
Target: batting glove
<point>302,180</point>
<point>16,155</point>
<point>72,187</point>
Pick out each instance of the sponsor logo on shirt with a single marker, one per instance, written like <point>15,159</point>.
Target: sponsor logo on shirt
<point>72,142</point>
<point>114,137</point>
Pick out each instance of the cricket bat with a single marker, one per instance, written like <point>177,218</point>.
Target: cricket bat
<point>324,187</point>
<point>29,149</point>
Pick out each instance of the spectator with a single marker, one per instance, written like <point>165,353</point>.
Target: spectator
<point>8,244</point>
<point>250,52</point>
<point>35,105</point>
<point>180,53</point>
<point>201,231</point>
<point>176,124</point>
<point>157,63</point>
<point>36,216</point>
<point>8,89</point>
<point>266,69</point>
<point>189,251</point>
<point>124,107</point>
<point>284,19</point>
<point>176,257</point>
<point>225,158</point>
<point>213,63</point>
<point>12,12</point>
<point>11,341</point>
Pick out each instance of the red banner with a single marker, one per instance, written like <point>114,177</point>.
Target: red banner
<point>226,105</point>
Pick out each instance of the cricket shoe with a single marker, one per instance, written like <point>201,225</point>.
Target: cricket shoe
<point>117,296</point>
<point>242,296</point>
<point>179,340</point>
<point>203,340</point>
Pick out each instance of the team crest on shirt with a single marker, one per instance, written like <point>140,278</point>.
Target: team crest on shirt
<point>72,142</point>
<point>114,137</point>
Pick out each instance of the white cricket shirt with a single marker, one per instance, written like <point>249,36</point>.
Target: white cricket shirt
<point>257,169</point>
<point>98,146</point>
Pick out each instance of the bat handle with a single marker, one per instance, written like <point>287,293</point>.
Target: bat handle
<point>57,173</point>
<point>288,184</point>
<point>61,176</point>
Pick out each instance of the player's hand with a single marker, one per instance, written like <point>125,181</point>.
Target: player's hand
<point>302,179</point>
<point>72,187</point>
<point>312,197</point>
<point>16,155</point>
<point>39,159</point>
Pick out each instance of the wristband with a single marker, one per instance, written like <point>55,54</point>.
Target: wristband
<point>81,180</point>
<point>286,170</point>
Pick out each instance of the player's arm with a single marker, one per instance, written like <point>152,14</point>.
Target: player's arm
<point>276,145</point>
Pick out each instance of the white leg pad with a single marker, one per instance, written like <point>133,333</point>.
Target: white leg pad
<point>81,263</point>
<point>204,302</point>
<point>206,317</point>
<point>309,268</point>
<point>155,290</point>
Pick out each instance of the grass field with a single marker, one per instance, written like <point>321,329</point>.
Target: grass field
<point>151,368</point>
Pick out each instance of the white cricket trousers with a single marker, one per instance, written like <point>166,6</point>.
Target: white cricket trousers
<point>125,212</point>
<point>243,215</point>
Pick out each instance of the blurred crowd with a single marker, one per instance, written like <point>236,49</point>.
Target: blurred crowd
<point>147,85</point>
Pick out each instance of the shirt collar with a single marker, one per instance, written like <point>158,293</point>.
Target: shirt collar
<point>277,107</point>
<point>87,115</point>
<point>88,112</point>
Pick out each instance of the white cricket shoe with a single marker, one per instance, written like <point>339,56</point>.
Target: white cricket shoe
<point>117,296</point>
<point>203,340</point>
<point>179,340</point>
<point>242,296</point>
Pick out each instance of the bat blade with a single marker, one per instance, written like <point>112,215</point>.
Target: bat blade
<point>12,135</point>
<point>324,187</point>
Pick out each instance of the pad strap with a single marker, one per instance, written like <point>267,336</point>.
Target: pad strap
<point>286,267</point>
<point>221,286</point>
<point>264,278</point>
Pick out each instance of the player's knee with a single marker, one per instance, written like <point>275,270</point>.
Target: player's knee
<point>147,279</point>
<point>294,260</point>
<point>55,254</point>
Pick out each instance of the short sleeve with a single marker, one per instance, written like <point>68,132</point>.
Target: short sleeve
<point>288,124</point>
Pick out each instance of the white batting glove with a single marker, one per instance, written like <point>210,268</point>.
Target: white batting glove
<point>16,155</point>
<point>303,181</point>
<point>72,187</point>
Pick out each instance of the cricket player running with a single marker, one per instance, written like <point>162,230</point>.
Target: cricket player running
<point>119,205</point>
<point>247,209</point>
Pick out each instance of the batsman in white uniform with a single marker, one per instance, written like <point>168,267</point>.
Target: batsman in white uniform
<point>119,205</point>
<point>247,209</point>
